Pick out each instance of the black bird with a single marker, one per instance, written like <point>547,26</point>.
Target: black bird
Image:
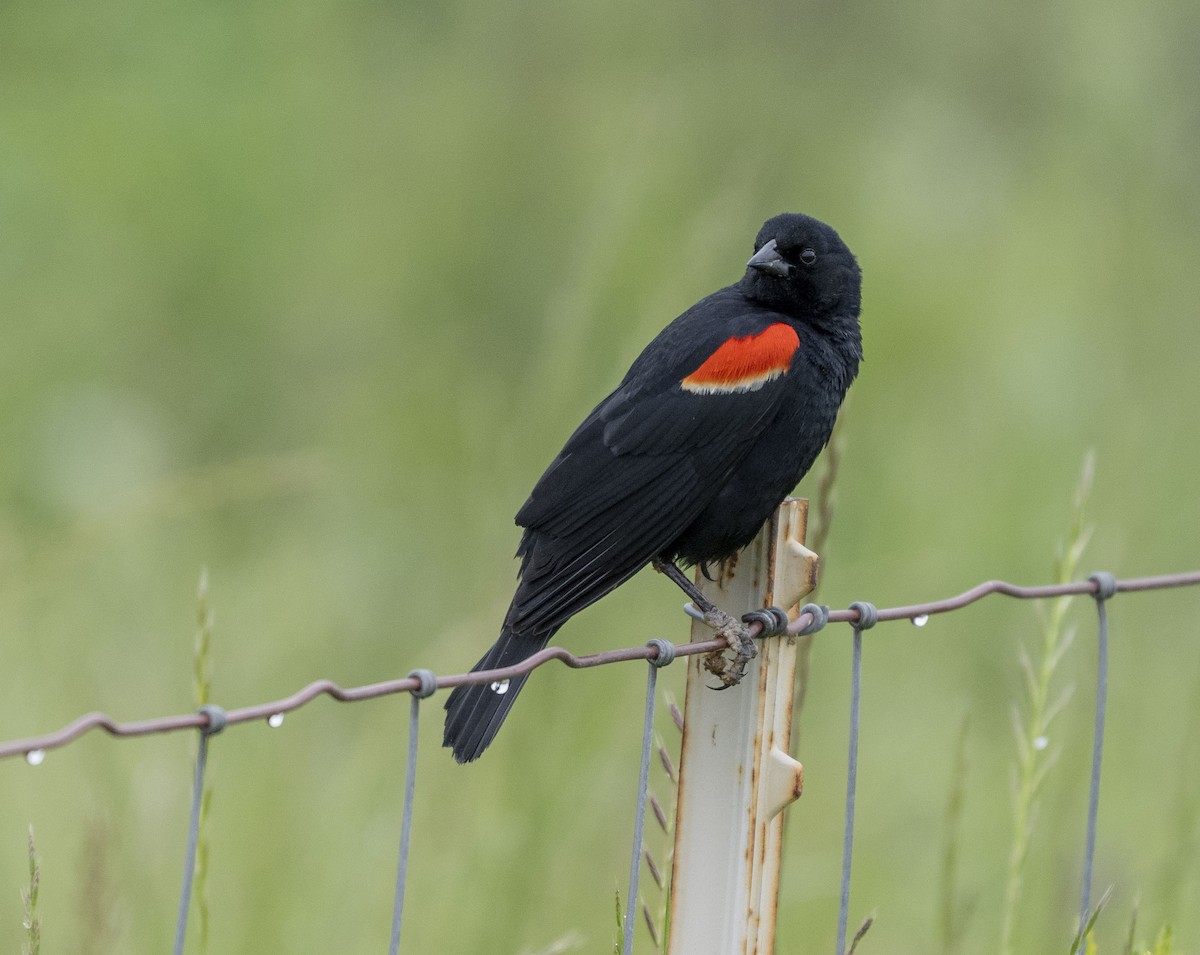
<point>712,426</point>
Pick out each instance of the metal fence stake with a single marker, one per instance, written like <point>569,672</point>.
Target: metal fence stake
<point>735,773</point>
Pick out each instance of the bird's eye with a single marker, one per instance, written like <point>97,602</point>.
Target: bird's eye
<point>808,256</point>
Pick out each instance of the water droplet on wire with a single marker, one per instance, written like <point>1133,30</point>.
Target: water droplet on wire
<point>35,756</point>
<point>920,620</point>
<point>275,720</point>
<point>500,687</point>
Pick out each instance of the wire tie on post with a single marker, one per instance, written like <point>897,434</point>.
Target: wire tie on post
<point>774,621</point>
<point>820,617</point>
<point>868,615</point>
<point>1106,584</point>
<point>427,683</point>
<point>666,652</point>
<point>216,719</point>
<point>426,686</point>
<point>1106,588</point>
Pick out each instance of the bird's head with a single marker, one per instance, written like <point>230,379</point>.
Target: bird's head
<point>800,265</point>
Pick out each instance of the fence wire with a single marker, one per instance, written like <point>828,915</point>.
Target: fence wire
<point>36,746</point>
<point>210,720</point>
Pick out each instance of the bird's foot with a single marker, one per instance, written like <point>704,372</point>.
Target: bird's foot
<point>740,644</point>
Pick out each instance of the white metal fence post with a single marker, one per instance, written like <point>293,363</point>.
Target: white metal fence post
<point>735,772</point>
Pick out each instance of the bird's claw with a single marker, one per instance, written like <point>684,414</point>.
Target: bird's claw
<point>740,643</point>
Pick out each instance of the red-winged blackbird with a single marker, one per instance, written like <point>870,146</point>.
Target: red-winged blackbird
<point>712,426</point>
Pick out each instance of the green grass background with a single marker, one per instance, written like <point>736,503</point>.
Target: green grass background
<point>310,293</point>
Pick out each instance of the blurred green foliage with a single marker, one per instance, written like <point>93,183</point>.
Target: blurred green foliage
<point>310,293</point>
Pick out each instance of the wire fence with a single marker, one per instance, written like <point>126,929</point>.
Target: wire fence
<point>211,719</point>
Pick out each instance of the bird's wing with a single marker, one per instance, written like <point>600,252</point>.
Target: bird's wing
<point>642,466</point>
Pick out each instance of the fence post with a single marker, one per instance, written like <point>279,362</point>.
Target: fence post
<point>735,774</point>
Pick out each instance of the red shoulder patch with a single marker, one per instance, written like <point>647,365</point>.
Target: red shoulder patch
<point>745,364</point>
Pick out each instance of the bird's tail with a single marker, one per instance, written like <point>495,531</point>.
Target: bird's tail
<point>475,712</point>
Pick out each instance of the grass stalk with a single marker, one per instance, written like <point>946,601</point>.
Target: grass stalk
<point>201,694</point>
<point>825,501</point>
<point>658,922</point>
<point>1042,703</point>
<point>29,900</point>
<point>953,911</point>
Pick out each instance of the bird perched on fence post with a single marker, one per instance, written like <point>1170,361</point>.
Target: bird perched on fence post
<point>713,425</point>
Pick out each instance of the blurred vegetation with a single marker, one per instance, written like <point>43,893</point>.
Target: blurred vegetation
<point>310,293</point>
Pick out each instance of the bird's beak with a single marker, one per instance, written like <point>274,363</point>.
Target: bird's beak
<point>767,259</point>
